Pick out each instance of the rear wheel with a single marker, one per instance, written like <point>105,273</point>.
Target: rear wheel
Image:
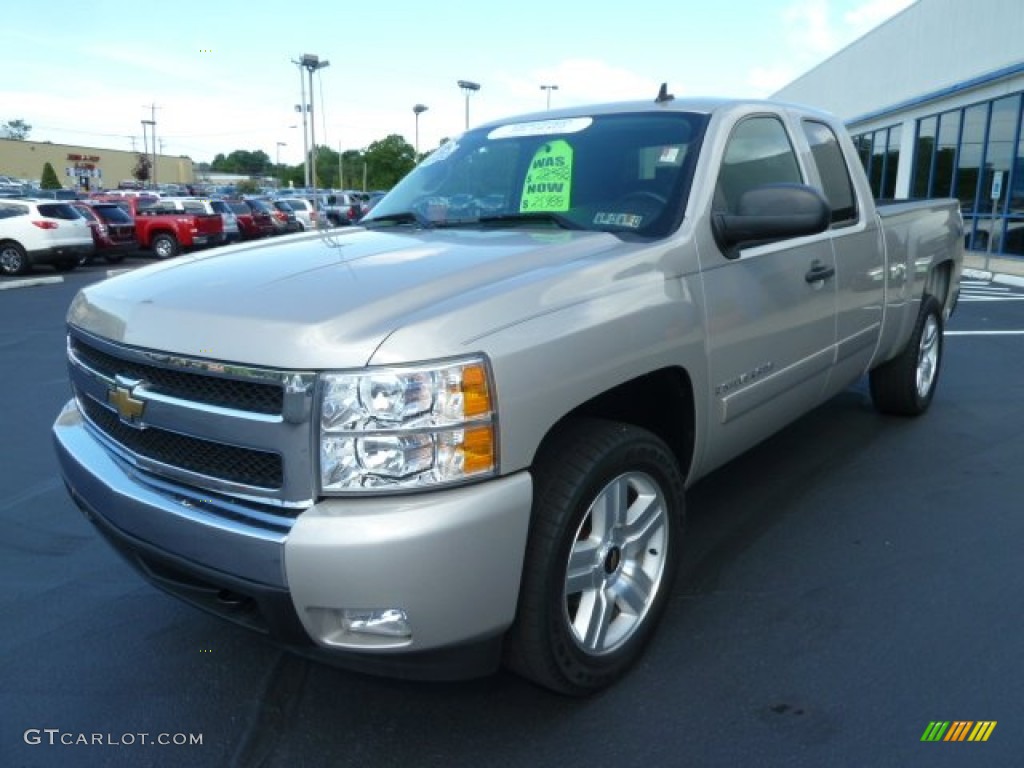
<point>13,259</point>
<point>601,558</point>
<point>165,246</point>
<point>905,385</point>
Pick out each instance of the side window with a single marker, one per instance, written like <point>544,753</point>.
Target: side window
<point>835,175</point>
<point>758,153</point>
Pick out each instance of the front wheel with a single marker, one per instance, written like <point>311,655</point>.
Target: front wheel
<point>165,246</point>
<point>905,385</point>
<point>601,558</point>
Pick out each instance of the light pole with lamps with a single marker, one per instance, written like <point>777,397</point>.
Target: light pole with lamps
<point>549,89</point>
<point>304,109</point>
<point>468,87</point>
<point>279,145</point>
<point>418,110</point>
<point>312,63</point>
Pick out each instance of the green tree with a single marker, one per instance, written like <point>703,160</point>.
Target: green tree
<point>247,187</point>
<point>15,129</point>
<point>142,168</point>
<point>243,162</point>
<point>387,161</point>
<point>49,179</point>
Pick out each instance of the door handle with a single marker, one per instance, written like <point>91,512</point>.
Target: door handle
<point>819,272</point>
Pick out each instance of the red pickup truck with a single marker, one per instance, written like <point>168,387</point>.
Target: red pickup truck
<point>167,231</point>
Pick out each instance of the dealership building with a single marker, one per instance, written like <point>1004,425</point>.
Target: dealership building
<point>85,168</point>
<point>933,100</point>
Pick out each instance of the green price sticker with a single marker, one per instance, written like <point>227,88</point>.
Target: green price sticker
<point>548,184</point>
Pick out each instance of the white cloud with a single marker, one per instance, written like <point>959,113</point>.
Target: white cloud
<point>870,14</point>
<point>809,27</point>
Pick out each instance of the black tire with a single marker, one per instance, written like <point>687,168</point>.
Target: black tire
<point>579,641</point>
<point>165,246</point>
<point>66,265</point>
<point>13,259</point>
<point>905,385</point>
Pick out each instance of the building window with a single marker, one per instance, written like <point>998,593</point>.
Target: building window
<point>924,156</point>
<point>879,153</point>
<point>945,156</point>
<point>969,159</point>
<point>997,220</point>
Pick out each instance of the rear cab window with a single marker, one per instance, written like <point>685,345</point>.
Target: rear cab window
<point>834,172</point>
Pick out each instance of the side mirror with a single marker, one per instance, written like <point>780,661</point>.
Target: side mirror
<point>771,212</point>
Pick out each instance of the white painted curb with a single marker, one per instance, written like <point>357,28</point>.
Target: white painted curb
<point>29,282</point>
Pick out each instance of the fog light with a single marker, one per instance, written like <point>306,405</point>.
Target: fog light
<point>391,622</point>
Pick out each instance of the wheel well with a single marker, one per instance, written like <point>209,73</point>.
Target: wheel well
<point>939,280</point>
<point>660,402</point>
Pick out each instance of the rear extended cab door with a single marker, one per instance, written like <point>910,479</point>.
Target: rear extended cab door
<point>770,308</point>
<point>857,245</point>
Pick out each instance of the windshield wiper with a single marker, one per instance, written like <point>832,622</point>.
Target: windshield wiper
<point>545,217</point>
<point>402,217</point>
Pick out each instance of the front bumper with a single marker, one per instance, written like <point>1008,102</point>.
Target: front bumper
<point>450,560</point>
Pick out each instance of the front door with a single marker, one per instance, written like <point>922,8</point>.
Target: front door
<point>770,322</point>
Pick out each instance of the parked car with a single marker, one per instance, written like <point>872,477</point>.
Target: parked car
<point>200,206</point>
<point>232,233</point>
<point>166,230</point>
<point>113,230</point>
<point>252,223</point>
<point>36,232</point>
<point>342,208</point>
<point>306,214</point>
<point>374,198</point>
<point>284,209</point>
<point>278,219</point>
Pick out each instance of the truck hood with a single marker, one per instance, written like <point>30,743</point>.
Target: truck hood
<point>318,300</point>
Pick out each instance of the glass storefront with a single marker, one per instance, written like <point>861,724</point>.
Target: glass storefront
<point>880,154</point>
<point>975,154</point>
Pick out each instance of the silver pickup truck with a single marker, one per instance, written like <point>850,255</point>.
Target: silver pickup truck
<point>461,434</point>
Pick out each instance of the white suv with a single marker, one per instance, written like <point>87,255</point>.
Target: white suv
<point>41,232</point>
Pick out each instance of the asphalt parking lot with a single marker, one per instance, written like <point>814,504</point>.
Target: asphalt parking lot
<point>845,584</point>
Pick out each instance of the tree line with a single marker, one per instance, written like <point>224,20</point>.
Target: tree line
<point>380,166</point>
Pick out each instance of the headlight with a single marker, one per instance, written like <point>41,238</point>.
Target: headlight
<point>395,428</point>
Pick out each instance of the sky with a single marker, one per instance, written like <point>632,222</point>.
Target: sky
<point>220,76</point>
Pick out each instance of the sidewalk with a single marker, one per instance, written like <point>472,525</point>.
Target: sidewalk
<point>999,265</point>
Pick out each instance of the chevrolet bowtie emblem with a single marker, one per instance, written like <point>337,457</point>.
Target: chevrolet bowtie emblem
<point>129,408</point>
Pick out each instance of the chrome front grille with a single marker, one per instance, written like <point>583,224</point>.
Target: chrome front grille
<point>237,431</point>
<point>224,462</point>
<point>256,397</point>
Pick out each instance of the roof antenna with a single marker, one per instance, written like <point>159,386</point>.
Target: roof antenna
<point>663,94</point>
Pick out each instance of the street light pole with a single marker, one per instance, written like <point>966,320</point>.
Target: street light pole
<point>418,110</point>
<point>303,108</point>
<point>468,87</point>
<point>277,158</point>
<point>312,63</point>
<point>549,89</point>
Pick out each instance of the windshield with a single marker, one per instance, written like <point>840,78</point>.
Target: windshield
<point>615,173</point>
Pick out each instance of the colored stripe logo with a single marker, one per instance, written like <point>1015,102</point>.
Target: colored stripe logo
<point>959,730</point>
